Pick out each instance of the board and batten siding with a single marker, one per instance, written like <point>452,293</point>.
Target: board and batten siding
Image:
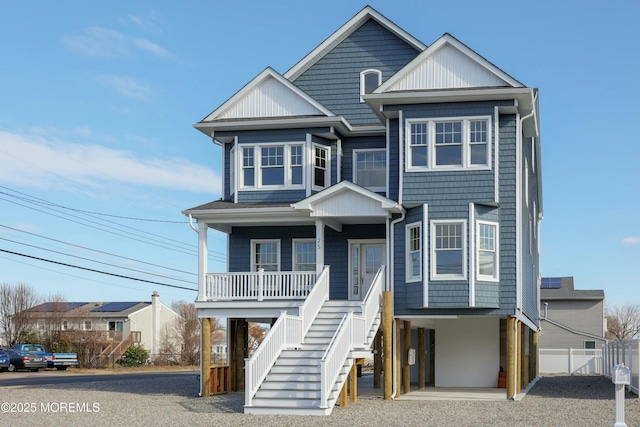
<point>334,80</point>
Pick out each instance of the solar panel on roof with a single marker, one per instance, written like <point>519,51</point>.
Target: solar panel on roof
<point>57,306</point>
<point>115,306</point>
<point>551,283</point>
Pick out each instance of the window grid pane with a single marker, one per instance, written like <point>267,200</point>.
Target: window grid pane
<point>320,170</point>
<point>371,169</point>
<point>305,256</point>
<point>415,253</point>
<point>267,256</point>
<point>487,261</point>
<point>478,142</point>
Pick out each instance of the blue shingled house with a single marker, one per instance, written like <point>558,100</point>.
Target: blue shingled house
<point>379,182</point>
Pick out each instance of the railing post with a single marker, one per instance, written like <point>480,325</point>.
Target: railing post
<point>260,283</point>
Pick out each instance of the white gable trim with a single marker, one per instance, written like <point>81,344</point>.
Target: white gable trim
<point>347,199</point>
<point>447,64</point>
<point>345,31</point>
<point>268,95</point>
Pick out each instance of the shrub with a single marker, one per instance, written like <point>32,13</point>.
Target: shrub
<point>134,356</point>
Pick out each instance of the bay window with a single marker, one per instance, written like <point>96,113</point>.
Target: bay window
<point>448,250</point>
<point>452,143</point>
<point>272,166</point>
<point>487,245</point>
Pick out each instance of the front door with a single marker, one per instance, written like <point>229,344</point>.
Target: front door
<point>365,258</point>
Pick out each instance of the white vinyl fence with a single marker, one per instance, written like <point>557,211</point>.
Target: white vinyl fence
<point>626,352</point>
<point>571,361</point>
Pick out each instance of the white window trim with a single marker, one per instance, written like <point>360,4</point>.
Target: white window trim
<point>327,178</point>
<point>480,277</point>
<point>432,252</point>
<point>257,167</point>
<point>466,145</point>
<point>355,162</point>
<point>408,277</point>
<point>362,80</point>
<point>253,251</point>
<point>294,252</point>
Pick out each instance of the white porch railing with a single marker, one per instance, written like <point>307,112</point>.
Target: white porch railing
<point>287,331</point>
<point>259,285</point>
<point>351,333</point>
<point>627,352</point>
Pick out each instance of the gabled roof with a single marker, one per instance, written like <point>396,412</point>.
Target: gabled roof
<point>268,95</point>
<point>447,64</point>
<point>91,309</point>
<point>344,198</point>
<point>345,31</point>
<point>566,291</point>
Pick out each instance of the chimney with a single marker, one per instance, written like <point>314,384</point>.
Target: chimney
<point>155,324</point>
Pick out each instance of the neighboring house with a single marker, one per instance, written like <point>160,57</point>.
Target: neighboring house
<point>571,318</point>
<point>407,170</point>
<point>115,324</point>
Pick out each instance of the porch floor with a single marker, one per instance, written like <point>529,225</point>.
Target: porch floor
<point>365,388</point>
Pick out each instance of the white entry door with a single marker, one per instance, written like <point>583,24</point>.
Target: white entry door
<point>365,259</point>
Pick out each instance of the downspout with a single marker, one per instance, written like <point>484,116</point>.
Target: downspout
<point>191,224</point>
<point>391,287</point>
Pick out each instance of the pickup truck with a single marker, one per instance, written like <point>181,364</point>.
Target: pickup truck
<point>60,361</point>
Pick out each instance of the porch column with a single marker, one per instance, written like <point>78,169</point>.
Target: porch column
<point>202,260</point>
<point>205,357</point>
<point>319,245</point>
<point>406,368</point>
<point>422,360</point>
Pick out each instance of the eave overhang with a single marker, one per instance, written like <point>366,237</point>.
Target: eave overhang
<point>336,124</point>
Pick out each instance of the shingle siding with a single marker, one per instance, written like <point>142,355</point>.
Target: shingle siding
<point>582,316</point>
<point>335,79</point>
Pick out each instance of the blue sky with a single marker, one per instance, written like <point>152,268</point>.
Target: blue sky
<point>97,102</point>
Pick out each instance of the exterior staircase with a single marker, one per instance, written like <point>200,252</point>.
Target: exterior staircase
<point>293,385</point>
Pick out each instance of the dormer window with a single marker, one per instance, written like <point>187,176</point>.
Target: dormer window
<point>369,81</point>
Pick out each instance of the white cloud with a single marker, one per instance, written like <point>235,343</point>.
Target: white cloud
<point>127,86</point>
<point>98,42</point>
<point>630,241</point>
<point>29,160</point>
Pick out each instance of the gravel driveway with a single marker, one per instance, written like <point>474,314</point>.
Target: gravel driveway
<point>553,401</point>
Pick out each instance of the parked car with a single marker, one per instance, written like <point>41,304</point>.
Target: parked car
<point>25,360</point>
<point>60,361</point>
<point>4,360</point>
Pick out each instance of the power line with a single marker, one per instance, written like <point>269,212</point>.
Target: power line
<point>97,271</point>
<point>147,239</point>
<point>96,250</point>
<point>91,260</point>
<point>91,212</point>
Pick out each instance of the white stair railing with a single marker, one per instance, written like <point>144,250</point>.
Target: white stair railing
<point>288,331</point>
<point>373,301</point>
<point>352,332</point>
<point>334,358</point>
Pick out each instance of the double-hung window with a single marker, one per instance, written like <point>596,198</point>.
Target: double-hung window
<point>487,251</point>
<point>453,143</point>
<point>448,250</point>
<point>320,166</point>
<point>304,255</point>
<point>265,254</point>
<point>272,166</point>
<point>370,169</point>
<point>414,252</point>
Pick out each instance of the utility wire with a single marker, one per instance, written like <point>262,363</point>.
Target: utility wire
<point>98,262</point>
<point>146,237</point>
<point>96,271</point>
<point>96,250</point>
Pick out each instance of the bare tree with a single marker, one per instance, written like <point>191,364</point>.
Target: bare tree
<point>180,339</point>
<point>50,324</point>
<point>257,331</point>
<point>623,322</point>
<point>15,323</point>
